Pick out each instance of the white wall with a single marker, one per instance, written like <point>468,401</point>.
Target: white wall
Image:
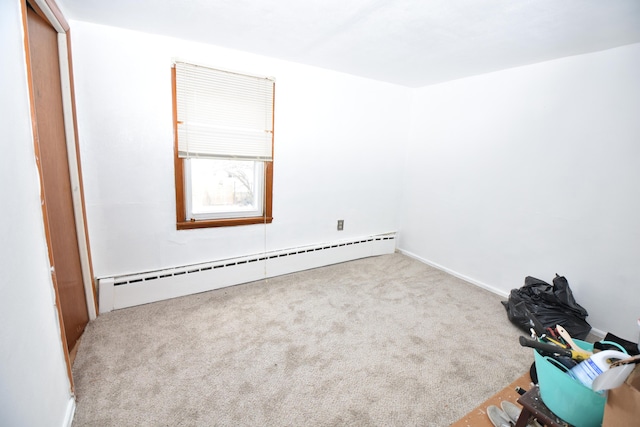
<point>34,387</point>
<point>528,171</point>
<point>323,122</point>
<point>532,171</point>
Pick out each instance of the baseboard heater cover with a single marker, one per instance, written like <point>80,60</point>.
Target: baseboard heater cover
<point>135,289</point>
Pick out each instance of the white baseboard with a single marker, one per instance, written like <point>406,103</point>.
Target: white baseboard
<point>595,331</point>
<point>598,333</point>
<point>71,411</point>
<point>456,274</point>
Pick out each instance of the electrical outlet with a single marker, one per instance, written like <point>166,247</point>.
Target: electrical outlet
<point>340,224</point>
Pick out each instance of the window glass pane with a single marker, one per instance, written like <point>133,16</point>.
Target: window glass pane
<point>226,187</point>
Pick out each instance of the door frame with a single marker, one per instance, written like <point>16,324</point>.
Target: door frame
<point>56,19</point>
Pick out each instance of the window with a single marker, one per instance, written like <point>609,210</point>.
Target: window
<point>223,129</point>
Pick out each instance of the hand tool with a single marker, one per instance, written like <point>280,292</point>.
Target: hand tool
<point>553,341</point>
<point>629,361</point>
<point>554,349</point>
<point>567,338</point>
<point>551,332</point>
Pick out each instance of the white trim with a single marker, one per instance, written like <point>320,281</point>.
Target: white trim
<point>483,285</point>
<point>42,4</point>
<point>598,333</point>
<point>105,295</point>
<point>70,412</point>
<point>72,159</point>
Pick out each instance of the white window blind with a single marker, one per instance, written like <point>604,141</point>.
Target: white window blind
<point>223,115</point>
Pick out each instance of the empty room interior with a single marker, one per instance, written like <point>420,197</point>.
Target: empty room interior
<point>416,161</point>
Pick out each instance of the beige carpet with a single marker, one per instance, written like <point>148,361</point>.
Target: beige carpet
<point>383,341</point>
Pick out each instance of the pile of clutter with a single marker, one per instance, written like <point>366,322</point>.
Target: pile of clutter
<point>573,375</point>
<point>604,367</point>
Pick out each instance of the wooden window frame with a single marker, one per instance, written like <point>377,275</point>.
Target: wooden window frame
<point>181,222</point>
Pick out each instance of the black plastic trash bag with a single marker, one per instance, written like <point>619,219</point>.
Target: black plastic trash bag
<point>550,305</point>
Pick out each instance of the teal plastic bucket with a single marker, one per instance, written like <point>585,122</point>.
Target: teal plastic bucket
<point>567,397</point>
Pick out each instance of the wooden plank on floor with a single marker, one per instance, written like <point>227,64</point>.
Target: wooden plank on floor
<point>478,417</point>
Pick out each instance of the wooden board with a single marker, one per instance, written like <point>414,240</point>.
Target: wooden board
<point>478,417</point>
<point>53,162</point>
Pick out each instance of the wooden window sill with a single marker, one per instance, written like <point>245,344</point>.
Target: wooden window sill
<point>227,222</point>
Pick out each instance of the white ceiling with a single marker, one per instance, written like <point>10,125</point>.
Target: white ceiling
<point>407,42</point>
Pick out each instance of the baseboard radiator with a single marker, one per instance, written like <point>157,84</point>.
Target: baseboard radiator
<point>135,289</point>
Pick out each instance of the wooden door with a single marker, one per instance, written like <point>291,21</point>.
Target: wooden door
<point>54,167</point>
